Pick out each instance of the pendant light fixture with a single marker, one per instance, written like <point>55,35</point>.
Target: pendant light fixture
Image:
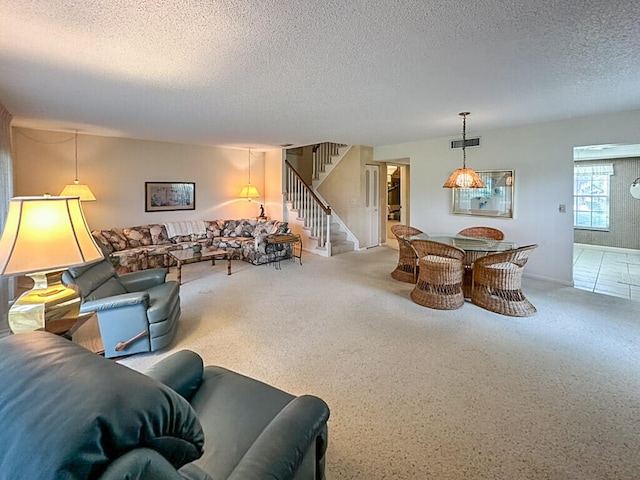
<point>78,189</point>
<point>464,177</point>
<point>249,191</point>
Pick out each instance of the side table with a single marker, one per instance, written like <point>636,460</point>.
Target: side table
<point>285,239</point>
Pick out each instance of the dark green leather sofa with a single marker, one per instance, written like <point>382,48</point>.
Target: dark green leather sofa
<point>66,413</point>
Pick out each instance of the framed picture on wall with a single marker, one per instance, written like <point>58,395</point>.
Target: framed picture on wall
<point>495,200</point>
<point>168,196</point>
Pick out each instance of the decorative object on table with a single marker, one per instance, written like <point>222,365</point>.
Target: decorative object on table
<point>77,189</point>
<point>440,274</point>
<point>635,188</point>
<point>482,232</point>
<point>137,311</point>
<point>494,200</point>
<point>464,177</point>
<point>169,196</point>
<point>197,248</point>
<point>249,191</point>
<point>262,216</point>
<point>407,268</point>
<point>497,282</point>
<point>43,236</point>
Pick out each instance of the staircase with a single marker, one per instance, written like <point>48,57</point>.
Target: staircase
<point>322,231</point>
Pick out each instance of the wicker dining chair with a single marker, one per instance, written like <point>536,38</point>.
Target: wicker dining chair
<point>407,268</point>
<point>440,273</point>
<point>497,282</point>
<point>482,232</point>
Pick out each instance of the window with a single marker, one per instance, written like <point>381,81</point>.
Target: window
<point>591,196</point>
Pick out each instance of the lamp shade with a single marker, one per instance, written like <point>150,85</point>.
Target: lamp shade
<point>249,192</point>
<point>464,178</point>
<point>45,234</point>
<point>78,190</point>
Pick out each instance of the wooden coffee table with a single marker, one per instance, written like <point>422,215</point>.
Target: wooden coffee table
<point>188,255</point>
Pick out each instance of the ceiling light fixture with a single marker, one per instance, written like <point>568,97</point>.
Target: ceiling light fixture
<point>78,189</point>
<point>249,191</point>
<point>464,177</point>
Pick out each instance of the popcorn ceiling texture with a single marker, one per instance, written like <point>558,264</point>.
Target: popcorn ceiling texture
<point>268,72</point>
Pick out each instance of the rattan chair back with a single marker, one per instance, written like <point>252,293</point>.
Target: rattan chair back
<point>497,282</point>
<point>407,268</point>
<point>482,232</point>
<point>440,275</point>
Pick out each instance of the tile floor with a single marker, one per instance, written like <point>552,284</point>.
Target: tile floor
<point>606,270</point>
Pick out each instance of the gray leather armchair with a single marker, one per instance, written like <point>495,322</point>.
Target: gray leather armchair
<point>70,414</point>
<point>137,312</point>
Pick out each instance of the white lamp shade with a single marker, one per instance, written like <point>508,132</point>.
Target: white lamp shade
<point>78,190</point>
<point>45,234</point>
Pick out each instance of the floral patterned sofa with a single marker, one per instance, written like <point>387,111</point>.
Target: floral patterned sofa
<point>145,246</point>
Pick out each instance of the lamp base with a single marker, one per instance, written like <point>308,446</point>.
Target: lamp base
<point>49,305</point>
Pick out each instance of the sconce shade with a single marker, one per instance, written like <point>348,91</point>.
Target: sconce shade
<point>45,234</point>
<point>249,192</point>
<point>464,178</point>
<point>78,190</point>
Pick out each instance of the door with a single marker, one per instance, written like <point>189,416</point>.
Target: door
<point>372,205</point>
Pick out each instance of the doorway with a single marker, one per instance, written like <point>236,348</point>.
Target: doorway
<point>606,219</point>
<point>397,196</point>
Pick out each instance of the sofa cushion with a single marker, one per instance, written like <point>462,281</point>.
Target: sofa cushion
<point>115,238</point>
<point>137,236</point>
<point>159,235</point>
<point>99,236</point>
<point>64,421</point>
<point>214,228</point>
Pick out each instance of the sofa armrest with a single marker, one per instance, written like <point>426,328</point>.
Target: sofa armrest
<point>181,371</point>
<point>143,279</point>
<point>117,301</point>
<point>279,450</point>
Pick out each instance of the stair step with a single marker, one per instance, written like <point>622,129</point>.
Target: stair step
<point>341,247</point>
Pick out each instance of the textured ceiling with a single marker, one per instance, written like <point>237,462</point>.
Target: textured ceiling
<point>269,72</point>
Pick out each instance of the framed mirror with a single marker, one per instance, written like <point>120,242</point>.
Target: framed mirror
<point>495,200</point>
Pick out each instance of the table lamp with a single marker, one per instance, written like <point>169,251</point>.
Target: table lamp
<point>42,237</point>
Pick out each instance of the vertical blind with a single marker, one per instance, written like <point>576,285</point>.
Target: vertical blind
<point>6,187</point>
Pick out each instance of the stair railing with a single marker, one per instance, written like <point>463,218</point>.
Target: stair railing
<point>315,214</point>
<point>322,154</point>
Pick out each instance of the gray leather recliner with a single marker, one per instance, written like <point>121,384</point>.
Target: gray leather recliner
<point>66,413</point>
<point>137,312</point>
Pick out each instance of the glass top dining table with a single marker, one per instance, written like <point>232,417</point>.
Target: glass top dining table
<point>468,244</point>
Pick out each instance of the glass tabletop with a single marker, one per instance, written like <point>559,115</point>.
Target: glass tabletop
<point>472,244</point>
<point>190,254</point>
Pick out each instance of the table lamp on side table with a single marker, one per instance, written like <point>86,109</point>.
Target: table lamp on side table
<point>42,237</point>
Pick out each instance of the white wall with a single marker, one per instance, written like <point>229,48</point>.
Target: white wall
<point>542,157</point>
<point>117,168</point>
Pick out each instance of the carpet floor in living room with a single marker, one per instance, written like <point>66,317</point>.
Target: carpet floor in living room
<point>417,393</point>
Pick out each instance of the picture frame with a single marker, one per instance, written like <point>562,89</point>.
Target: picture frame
<point>169,196</point>
<point>495,200</point>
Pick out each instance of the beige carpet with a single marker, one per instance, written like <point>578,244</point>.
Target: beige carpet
<point>423,394</point>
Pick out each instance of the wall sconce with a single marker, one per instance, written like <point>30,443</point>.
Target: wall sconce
<point>635,188</point>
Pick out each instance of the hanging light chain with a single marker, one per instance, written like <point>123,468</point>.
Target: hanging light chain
<point>77,156</point>
<point>464,138</point>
